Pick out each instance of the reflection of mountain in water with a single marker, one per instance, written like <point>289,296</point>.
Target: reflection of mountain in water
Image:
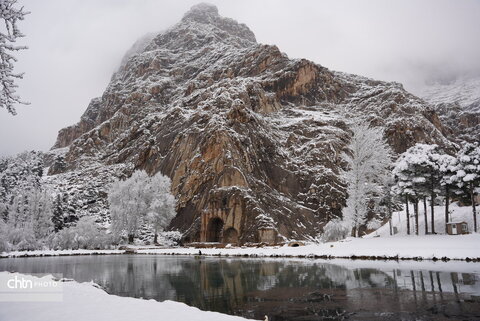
<point>282,289</point>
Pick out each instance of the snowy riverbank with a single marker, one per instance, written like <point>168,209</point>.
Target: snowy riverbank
<point>376,245</point>
<point>459,247</point>
<point>59,253</point>
<point>85,301</point>
<point>455,247</point>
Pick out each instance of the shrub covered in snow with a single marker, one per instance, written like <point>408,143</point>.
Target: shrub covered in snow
<point>335,230</point>
<point>23,239</point>
<point>4,245</point>
<point>85,235</point>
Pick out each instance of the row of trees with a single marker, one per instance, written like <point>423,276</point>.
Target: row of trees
<point>30,222</point>
<point>376,186</point>
<point>30,217</point>
<point>423,173</point>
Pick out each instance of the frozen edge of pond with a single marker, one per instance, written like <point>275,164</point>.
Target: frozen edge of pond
<point>86,301</point>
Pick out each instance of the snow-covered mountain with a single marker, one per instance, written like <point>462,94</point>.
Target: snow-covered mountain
<point>251,139</point>
<point>458,104</point>
<point>464,91</point>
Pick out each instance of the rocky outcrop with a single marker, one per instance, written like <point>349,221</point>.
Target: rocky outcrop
<point>457,104</point>
<point>251,139</point>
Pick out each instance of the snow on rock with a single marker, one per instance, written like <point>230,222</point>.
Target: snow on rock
<point>458,104</point>
<point>86,301</point>
<point>241,130</point>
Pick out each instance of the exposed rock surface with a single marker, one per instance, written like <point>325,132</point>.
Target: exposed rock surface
<point>251,139</point>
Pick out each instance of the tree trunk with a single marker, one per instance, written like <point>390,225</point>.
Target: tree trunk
<point>155,239</point>
<point>390,215</point>
<point>415,207</point>
<point>474,209</point>
<point>425,214</point>
<point>130,238</point>
<point>432,204</point>
<point>447,204</point>
<point>408,215</point>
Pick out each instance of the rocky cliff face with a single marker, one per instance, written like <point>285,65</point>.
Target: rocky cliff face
<point>458,104</point>
<point>251,139</point>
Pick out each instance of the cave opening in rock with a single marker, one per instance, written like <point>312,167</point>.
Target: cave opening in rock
<point>214,230</point>
<point>230,236</point>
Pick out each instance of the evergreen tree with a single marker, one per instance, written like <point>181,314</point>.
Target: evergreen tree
<point>467,174</point>
<point>57,217</point>
<point>417,175</point>
<point>447,166</point>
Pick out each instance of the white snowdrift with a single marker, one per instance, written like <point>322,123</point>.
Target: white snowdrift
<point>84,301</point>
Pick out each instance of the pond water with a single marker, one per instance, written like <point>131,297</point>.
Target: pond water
<point>283,289</point>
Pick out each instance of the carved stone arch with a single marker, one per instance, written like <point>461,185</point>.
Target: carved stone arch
<point>214,230</point>
<point>230,235</point>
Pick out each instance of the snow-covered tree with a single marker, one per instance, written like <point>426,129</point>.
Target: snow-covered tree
<point>447,166</point>
<point>162,204</point>
<point>10,14</point>
<point>368,160</point>
<point>335,230</point>
<point>30,218</point>
<point>57,217</point>
<point>4,244</point>
<point>20,173</point>
<point>40,212</point>
<point>140,199</point>
<point>417,176</point>
<point>467,174</point>
<point>129,204</point>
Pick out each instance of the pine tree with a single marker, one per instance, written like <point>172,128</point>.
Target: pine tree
<point>467,174</point>
<point>447,166</point>
<point>57,217</point>
<point>417,175</point>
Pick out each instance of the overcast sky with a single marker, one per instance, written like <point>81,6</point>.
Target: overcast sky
<point>76,45</point>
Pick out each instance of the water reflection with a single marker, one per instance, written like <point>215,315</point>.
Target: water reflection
<point>282,289</point>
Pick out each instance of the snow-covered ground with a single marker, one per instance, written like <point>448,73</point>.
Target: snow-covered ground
<point>424,246</point>
<point>85,301</point>
<point>59,253</point>
<point>379,243</point>
<point>457,214</point>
